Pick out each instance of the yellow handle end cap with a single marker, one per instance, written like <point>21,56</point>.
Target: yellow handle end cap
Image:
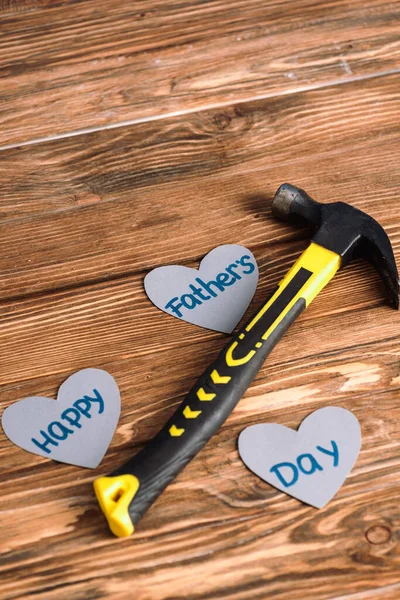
<point>114,495</point>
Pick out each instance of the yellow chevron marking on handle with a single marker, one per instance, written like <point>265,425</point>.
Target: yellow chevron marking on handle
<point>203,396</point>
<point>188,413</point>
<point>175,432</point>
<point>217,378</point>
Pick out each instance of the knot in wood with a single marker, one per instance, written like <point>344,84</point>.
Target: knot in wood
<point>378,534</point>
<point>222,120</point>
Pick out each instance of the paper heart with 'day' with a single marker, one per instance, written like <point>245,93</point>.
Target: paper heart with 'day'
<point>77,428</point>
<point>310,464</point>
<point>215,296</point>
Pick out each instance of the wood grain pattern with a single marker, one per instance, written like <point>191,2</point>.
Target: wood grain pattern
<point>85,206</point>
<point>308,94</point>
<point>68,66</point>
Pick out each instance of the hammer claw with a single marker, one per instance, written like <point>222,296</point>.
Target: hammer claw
<point>343,229</point>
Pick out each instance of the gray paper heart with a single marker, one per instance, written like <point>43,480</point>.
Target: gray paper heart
<point>77,428</point>
<point>215,296</point>
<point>311,464</point>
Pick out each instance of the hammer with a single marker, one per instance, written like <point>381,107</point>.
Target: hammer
<point>340,233</point>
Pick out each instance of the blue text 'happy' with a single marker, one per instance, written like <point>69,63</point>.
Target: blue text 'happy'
<point>70,420</point>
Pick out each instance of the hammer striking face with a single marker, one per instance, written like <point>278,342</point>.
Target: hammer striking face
<point>341,232</point>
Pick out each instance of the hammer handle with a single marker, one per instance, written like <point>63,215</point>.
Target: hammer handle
<point>129,491</point>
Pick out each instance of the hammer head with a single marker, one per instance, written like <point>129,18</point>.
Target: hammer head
<point>343,229</point>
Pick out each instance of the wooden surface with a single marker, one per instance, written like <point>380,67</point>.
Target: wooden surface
<point>138,134</point>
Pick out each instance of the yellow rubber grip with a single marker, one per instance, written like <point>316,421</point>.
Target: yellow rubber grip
<point>115,495</point>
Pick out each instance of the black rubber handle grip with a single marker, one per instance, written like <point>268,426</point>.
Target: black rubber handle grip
<point>211,400</point>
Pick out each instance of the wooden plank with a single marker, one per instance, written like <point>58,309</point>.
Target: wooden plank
<point>147,355</point>
<point>68,66</point>
<point>90,169</point>
<point>193,183</point>
<point>68,330</point>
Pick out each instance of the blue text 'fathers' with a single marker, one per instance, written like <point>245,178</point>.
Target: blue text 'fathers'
<point>206,290</point>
